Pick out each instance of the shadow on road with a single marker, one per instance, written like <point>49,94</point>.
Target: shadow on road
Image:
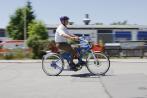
<point>83,75</point>
<point>86,75</point>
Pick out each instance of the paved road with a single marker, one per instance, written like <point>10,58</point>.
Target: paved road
<point>27,80</point>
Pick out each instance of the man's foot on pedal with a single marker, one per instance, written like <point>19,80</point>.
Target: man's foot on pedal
<point>82,63</point>
<point>73,67</point>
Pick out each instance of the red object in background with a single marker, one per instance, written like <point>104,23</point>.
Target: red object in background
<point>54,49</point>
<point>97,48</point>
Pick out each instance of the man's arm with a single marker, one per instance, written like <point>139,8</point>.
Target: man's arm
<point>75,36</point>
<point>72,37</point>
<point>68,36</point>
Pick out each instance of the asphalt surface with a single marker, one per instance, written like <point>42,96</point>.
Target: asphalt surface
<point>25,79</point>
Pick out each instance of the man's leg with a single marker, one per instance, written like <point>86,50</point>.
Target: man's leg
<point>68,48</point>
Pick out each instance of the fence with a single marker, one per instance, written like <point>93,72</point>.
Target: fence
<point>135,49</point>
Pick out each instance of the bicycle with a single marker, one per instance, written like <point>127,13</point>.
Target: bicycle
<point>97,62</point>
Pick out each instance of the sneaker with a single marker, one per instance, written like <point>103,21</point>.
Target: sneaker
<point>82,63</point>
<point>73,67</point>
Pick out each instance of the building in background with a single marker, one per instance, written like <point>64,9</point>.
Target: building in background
<point>106,33</point>
<point>119,40</point>
<point>97,33</point>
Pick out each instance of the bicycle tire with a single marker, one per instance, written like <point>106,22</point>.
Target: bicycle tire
<point>95,66</point>
<point>52,65</point>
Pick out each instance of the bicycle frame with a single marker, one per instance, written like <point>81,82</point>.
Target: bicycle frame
<point>82,50</point>
<point>55,65</point>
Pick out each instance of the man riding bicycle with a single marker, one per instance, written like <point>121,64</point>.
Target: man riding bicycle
<point>61,37</point>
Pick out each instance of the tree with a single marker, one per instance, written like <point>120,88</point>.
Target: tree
<point>17,21</point>
<point>39,29</point>
<point>38,38</point>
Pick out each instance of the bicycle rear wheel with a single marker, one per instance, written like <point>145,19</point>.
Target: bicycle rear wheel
<point>98,63</point>
<point>52,65</point>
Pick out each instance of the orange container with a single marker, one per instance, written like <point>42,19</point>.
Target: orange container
<point>97,48</point>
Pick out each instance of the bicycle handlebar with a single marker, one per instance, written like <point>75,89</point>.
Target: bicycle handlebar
<point>84,42</point>
<point>83,39</point>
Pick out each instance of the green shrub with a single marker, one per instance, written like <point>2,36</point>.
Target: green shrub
<point>37,46</point>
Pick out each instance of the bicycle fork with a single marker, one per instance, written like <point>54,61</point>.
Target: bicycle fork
<point>95,59</point>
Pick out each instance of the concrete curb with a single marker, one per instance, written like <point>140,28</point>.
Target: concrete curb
<point>129,60</point>
<point>39,61</point>
<point>20,61</point>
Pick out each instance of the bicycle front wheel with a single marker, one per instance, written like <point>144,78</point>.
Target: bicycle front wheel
<point>52,65</point>
<point>98,63</point>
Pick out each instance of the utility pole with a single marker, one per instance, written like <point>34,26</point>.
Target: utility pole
<point>25,26</point>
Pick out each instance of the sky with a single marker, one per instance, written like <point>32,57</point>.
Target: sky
<point>103,11</point>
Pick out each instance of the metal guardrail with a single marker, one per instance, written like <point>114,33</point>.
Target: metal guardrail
<point>127,49</point>
<point>118,52</point>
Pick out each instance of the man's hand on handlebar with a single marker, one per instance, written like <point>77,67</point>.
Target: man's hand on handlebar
<point>75,38</point>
